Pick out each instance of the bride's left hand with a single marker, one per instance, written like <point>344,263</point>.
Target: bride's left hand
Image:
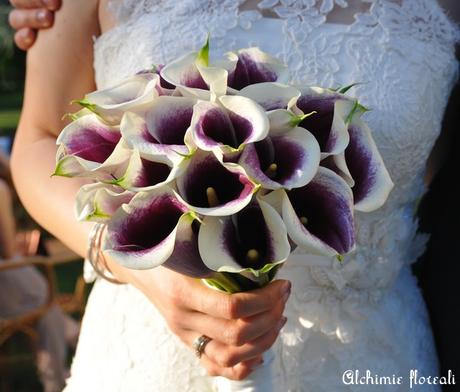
<point>242,326</point>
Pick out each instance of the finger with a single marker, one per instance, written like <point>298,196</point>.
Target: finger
<point>236,373</point>
<point>232,332</point>
<point>27,3</point>
<point>228,356</point>
<point>237,305</point>
<point>52,5</point>
<point>35,19</point>
<point>25,38</point>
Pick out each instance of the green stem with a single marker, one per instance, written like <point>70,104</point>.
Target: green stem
<point>264,279</point>
<point>224,282</point>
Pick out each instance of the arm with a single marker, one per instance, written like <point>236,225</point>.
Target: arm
<point>59,68</point>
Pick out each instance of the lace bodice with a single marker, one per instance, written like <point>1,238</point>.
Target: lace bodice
<point>364,313</point>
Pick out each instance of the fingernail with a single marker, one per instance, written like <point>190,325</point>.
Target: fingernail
<point>42,17</point>
<point>50,4</point>
<point>286,289</point>
<point>286,296</point>
<point>281,323</point>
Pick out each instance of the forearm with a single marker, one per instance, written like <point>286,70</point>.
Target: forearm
<point>50,200</point>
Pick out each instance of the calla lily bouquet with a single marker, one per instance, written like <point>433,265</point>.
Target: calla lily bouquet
<point>218,170</point>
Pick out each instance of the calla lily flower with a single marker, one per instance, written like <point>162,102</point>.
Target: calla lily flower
<point>318,216</point>
<point>237,70</point>
<point>98,202</point>
<point>254,240</point>
<point>89,147</point>
<point>132,93</point>
<point>193,71</point>
<point>272,96</point>
<point>288,160</point>
<point>186,258</point>
<point>279,101</point>
<point>330,122</point>
<point>163,87</point>
<point>143,233</point>
<point>254,66</point>
<point>363,162</point>
<point>184,72</point>
<point>212,187</point>
<point>161,129</point>
<point>144,174</point>
<point>228,124</point>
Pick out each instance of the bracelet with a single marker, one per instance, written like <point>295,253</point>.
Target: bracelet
<point>96,257</point>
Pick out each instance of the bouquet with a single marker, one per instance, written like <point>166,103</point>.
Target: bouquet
<point>218,170</point>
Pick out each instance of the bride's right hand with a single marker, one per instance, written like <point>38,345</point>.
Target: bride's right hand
<point>28,16</point>
<point>242,325</point>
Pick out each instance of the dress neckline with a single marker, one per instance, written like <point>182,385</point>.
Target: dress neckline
<point>328,25</point>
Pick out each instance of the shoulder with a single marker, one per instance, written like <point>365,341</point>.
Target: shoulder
<point>59,65</point>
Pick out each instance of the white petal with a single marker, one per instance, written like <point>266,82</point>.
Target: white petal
<point>212,236</point>
<point>250,111</point>
<point>271,95</point>
<point>98,202</point>
<point>113,102</point>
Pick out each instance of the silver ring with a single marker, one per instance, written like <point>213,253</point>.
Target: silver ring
<point>199,344</point>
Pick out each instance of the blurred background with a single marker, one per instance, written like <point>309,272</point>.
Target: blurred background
<point>42,293</point>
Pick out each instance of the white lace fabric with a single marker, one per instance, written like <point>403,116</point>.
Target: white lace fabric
<point>365,313</point>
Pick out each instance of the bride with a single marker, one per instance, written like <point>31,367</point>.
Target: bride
<point>360,322</point>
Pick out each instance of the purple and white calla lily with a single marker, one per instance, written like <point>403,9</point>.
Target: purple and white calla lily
<point>186,258</point>
<point>288,160</point>
<point>362,160</point>
<point>253,240</point>
<point>130,94</point>
<point>91,148</point>
<point>227,124</point>
<point>161,129</point>
<point>318,216</point>
<point>212,187</point>
<point>143,174</point>
<point>144,233</point>
<point>254,66</point>
<point>194,71</point>
<point>329,124</point>
<point>98,202</point>
<point>279,100</point>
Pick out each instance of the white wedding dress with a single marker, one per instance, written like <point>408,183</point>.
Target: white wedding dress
<point>364,314</point>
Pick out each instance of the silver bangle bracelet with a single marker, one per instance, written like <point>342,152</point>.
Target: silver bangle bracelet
<point>95,255</point>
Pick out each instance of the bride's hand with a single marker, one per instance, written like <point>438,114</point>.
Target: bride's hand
<point>30,16</point>
<point>242,326</point>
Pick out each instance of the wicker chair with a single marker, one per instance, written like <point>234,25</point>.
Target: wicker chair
<point>26,323</point>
